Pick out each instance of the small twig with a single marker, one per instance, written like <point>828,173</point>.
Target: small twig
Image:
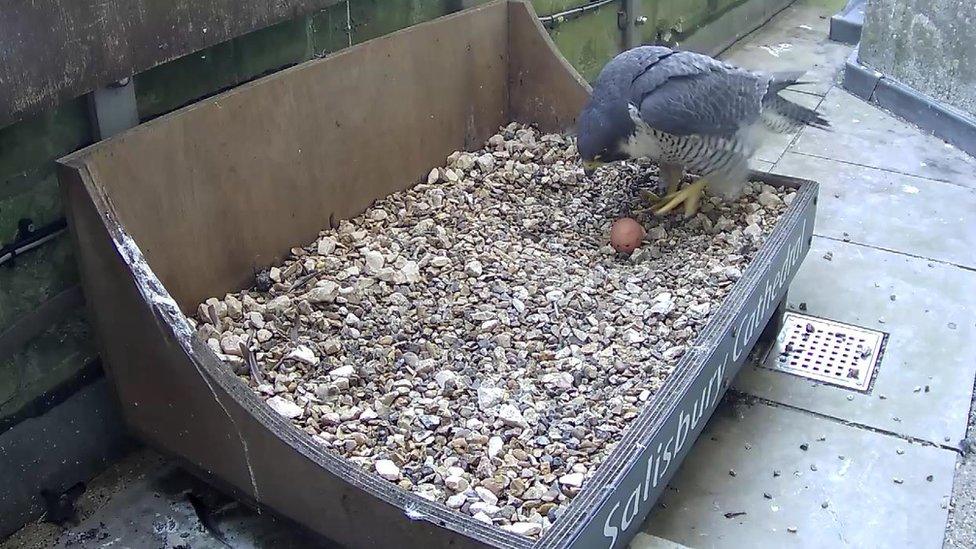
<point>251,361</point>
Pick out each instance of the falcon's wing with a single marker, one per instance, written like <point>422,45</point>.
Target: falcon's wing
<point>687,93</point>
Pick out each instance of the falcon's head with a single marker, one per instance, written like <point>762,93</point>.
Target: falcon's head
<point>606,123</point>
<point>603,128</point>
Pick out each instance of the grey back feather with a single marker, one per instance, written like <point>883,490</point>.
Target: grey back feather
<point>690,94</point>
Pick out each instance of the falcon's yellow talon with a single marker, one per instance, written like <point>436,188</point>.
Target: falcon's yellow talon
<point>690,196</point>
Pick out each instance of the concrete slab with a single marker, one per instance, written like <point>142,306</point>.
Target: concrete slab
<point>646,541</point>
<point>850,487</point>
<point>864,134</point>
<point>796,40</point>
<point>890,210</point>
<point>925,380</point>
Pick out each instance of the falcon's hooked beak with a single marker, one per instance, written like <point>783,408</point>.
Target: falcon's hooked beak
<point>590,166</point>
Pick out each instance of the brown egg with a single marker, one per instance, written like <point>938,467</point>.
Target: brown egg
<point>626,235</point>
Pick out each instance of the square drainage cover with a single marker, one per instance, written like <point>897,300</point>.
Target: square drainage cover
<point>827,351</point>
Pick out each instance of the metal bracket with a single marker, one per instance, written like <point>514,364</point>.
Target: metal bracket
<point>628,19</point>
<point>113,108</point>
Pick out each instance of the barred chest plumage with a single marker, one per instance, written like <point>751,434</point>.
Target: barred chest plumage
<point>703,154</point>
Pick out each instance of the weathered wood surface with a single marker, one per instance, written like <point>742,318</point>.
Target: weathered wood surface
<point>54,50</point>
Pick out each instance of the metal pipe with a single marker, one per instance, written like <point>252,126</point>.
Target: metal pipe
<point>32,240</point>
<point>552,20</point>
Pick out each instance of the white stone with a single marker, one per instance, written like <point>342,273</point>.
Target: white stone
<point>304,354</point>
<point>326,245</point>
<point>489,397</point>
<point>486,163</point>
<point>368,414</point>
<point>343,371</point>
<point>443,377</point>
<point>486,508</point>
<point>482,518</point>
<point>495,446</point>
<point>456,483</point>
<point>700,310</point>
<point>486,495</point>
<point>387,469</point>
<point>524,528</point>
<point>753,231</point>
<point>284,407</point>
<point>278,305</point>
<point>456,501</point>
<point>510,415</point>
<point>264,335</point>
<point>574,480</point>
<point>325,291</point>
<point>663,303</point>
<point>434,176</point>
<point>256,320</point>
<point>231,344</point>
<point>235,309</point>
<point>374,261</point>
<point>474,268</point>
<point>769,200</point>
<point>561,380</point>
<point>409,273</point>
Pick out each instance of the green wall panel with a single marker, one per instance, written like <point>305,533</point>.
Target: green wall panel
<point>327,30</point>
<point>182,81</point>
<point>36,142</point>
<point>373,18</point>
<point>47,361</point>
<point>269,49</point>
<point>36,277</point>
<point>589,41</point>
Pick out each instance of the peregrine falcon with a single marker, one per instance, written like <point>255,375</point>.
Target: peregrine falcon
<point>689,111</point>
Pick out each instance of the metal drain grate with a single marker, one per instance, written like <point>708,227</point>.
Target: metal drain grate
<point>827,351</point>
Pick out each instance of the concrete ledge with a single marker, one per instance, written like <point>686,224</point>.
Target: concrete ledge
<point>944,121</point>
<point>846,25</point>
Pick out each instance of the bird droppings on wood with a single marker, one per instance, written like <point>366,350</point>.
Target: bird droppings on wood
<point>475,339</point>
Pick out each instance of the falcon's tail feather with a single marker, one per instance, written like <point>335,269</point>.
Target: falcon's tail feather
<point>782,115</point>
<point>779,81</point>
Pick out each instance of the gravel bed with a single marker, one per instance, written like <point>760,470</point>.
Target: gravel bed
<point>475,339</point>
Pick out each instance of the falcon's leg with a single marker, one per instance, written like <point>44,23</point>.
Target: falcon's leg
<point>671,175</point>
<point>690,196</point>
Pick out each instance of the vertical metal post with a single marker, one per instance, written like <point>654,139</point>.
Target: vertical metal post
<point>632,18</point>
<point>113,108</point>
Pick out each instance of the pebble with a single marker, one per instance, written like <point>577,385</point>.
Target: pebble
<point>477,331</point>
<point>285,407</point>
<point>456,501</point>
<point>486,495</point>
<point>474,269</point>
<point>304,354</point>
<point>573,479</point>
<point>495,445</point>
<point>524,528</point>
<point>387,469</point>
